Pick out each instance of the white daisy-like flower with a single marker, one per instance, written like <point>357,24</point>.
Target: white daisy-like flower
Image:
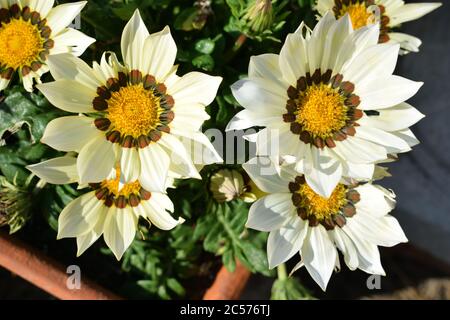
<point>390,13</point>
<point>329,98</point>
<point>30,32</point>
<point>354,219</point>
<point>141,114</point>
<point>107,210</point>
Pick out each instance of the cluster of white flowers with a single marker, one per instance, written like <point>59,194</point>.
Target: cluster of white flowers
<point>329,102</point>
<point>332,111</point>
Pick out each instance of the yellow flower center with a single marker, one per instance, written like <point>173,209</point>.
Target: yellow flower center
<point>359,14</point>
<point>133,110</point>
<point>127,189</point>
<point>320,207</point>
<point>20,42</point>
<point>321,111</point>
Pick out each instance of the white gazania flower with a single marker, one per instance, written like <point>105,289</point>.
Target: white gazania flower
<point>329,98</point>
<point>354,220</point>
<point>390,14</point>
<point>107,209</point>
<point>141,114</point>
<point>30,32</point>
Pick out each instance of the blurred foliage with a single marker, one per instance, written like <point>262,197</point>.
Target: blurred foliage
<point>213,36</point>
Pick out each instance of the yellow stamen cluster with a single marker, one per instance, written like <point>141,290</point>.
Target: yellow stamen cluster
<point>127,189</point>
<point>321,111</point>
<point>320,207</point>
<point>133,110</point>
<point>359,14</point>
<point>20,43</point>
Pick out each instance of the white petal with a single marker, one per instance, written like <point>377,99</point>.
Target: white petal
<point>359,151</point>
<point>265,66</point>
<point>368,254</point>
<point>376,61</point>
<point>356,42</point>
<point>160,53</point>
<point>86,240</point>
<point>265,174</point>
<point>322,171</point>
<point>336,36</point>
<point>199,146</point>
<point>260,96</point>
<point>154,168</point>
<point>133,39</point>
<point>392,143</point>
<point>96,160</point>
<point>283,243</point>
<point>70,133</point>
<point>79,216</point>
<point>358,171</point>
<point>407,42</point>
<point>61,170</point>
<point>119,230</point>
<point>319,255</point>
<point>270,212</point>
<point>71,41</point>
<point>130,164</point>
<point>396,118</point>
<point>323,6</point>
<point>61,16</point>
<point>317,42</point>
<point>293,58</point>
<point>4,83</point>
<point>246,119</point>
<point>156,210</point>
<point>383,231</point>
<point>345,244</point>
<point>181,161</point>
<point>194,87</point>
<point>411,11</point>
<point>380,93</point>
<point>67,67</point>
<point>375,200</point>
<point>408,136</point>
<point>69,95</point>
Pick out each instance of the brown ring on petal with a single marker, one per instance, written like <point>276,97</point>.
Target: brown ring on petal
<point>128,142</point>
<point>26,13</point>
<point>121,202</point>
<point>102,124</point>
<point>144,194</point>
<point>99,104</point>
<point>134,200</point>
<point>26,70</point>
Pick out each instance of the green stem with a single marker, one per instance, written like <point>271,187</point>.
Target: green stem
<point>281,271</point>
<point>237,46</point>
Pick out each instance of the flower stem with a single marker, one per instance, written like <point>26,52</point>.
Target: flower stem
<point>281,271</point>
<point>237,46</point>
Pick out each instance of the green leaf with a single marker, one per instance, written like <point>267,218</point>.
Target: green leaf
<point>229,260</point>
<point>289,289</point>
<point>204,62</point>
<point>257,257</point>
<point>205,46</point>
<point>185,20</point>
<point>176,287</point>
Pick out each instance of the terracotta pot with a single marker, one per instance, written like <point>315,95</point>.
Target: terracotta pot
<point>50,275</point>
